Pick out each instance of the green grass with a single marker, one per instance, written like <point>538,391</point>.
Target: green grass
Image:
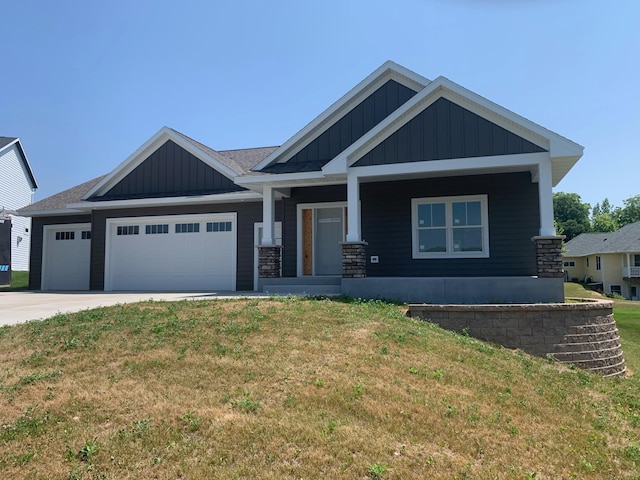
<point>297,388</point>
<point>19,281</point>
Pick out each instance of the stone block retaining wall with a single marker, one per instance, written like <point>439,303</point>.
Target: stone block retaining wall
<point>583,333</point>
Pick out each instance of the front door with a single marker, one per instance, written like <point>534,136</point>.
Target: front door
<point>323,229</point>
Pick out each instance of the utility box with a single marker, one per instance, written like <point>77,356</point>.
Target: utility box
<point>5,251</point>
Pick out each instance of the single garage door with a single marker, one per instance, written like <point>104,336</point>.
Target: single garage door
<point>171,253</point>
<point>66,252</point>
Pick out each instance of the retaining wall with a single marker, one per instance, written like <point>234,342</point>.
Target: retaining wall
<point>582,333</point>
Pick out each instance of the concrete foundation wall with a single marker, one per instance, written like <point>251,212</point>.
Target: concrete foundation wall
<point>457,290</point>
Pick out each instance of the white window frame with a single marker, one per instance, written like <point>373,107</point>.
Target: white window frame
<point>617,287</point>
<point>448,201</point>
<point>569,263</point>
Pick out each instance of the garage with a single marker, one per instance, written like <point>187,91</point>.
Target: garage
<point>171,253</point>
<point>66,261</point>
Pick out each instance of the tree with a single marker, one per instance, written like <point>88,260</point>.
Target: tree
<point>603,217</point>
<point>571,214</point>
<point>630,213</point>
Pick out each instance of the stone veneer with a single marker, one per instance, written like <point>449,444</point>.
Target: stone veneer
<point>549,256</point>
<point>269,261</point>
<point>583,333</point>
<point>354,260</point>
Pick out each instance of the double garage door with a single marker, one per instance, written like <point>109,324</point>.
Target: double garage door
<point>171,253</point>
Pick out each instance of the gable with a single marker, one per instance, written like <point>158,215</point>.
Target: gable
<point>445,130</point>
<point>167,172</point>
<point>353,125</point>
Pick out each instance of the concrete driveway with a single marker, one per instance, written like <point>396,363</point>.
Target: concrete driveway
<point>22,306</point>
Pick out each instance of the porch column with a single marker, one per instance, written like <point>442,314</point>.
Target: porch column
<point>354,260</point>
<point>353,207</point>
<point>545,198</point>
<point>269,254</point>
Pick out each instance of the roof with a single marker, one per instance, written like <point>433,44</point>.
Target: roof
<point>59,201</point>
<point>6,142</point>
<point>624,240</point>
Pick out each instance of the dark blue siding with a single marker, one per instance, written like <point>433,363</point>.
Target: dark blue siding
<point>170,171</point>
<point>513,220</point>
<point>362,118</point>
<point>445,130</point>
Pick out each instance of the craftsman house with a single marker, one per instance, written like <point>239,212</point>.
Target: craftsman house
<point>404,188</point>
<point>608,261</point>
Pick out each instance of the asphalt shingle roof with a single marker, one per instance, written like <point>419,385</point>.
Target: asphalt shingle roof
<point>624,240</point>
<point>62,199</point>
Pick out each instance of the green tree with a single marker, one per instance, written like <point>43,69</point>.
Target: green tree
<point>571,214</point>
<point>630,213</point>
<point>603,217</point>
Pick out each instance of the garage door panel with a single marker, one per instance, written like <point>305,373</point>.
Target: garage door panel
<point>175,260</point>
<point>67,257</point>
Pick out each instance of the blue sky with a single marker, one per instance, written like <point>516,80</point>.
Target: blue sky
<point>84,84</point>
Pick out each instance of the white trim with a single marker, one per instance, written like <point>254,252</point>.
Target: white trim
<point>256,241</point>
<point>44,271</point>
<point>286,179</point>
<point>387,71</point>
<point>268,213</point>
<point>313,206</point>
<point>111,222</point>
<point>484,211</point>
<point>168,201</point>
<point>353,202</point>
<point>150,146</point>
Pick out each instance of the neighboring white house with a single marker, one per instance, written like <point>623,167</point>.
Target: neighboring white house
<point>17,186</point>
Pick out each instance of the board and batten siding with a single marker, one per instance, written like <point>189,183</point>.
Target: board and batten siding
<point>513,219</point>
<point>16,192</point>
<point>37,243</point>
<point>247,214</point>
<point>170,171</point>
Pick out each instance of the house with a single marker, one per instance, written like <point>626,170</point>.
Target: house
<point>610,261</point>
<point>17,186</point>
<point>404,188</point>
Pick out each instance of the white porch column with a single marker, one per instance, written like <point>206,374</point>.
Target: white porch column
<point>545,199</point>
<point>353,206</point>
<point>268,207</point>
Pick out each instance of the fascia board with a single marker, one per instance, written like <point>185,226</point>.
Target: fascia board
<point>276,178</point>
<point>55,212</point>
<point>388,70</point>
<point>169,201</point>
<point>155,142</point>
<point>442,87</point>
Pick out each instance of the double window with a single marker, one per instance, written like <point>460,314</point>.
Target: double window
<point>218,226</point>
<point>128,230</point>
<point>187,227</point>
<point>450,227</point>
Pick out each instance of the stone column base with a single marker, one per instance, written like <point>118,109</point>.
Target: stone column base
<point>269,261</point>
<point>549,256</point>
<point>354,260</point>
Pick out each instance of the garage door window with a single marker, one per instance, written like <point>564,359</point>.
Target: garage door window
<point>86,235</point>
<point>156,229</point>
<point>128,230</point>
<point>65,235</point>
<point>187,227</point>
<point>219,226</point>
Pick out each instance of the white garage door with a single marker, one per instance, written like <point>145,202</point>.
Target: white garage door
<point>66,257</point>
<point>171,253</point>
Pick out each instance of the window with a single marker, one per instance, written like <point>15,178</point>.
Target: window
<point>598,263</point>
<point>65,235</point>
<point>450,227</point>
<point>218,226</point>
<point>587,262</point>
<point>570,264</point>
<point>636,260</point>
<point>616,289</point>
<point>128,230</point>
<point>187,227</point>
<point>156,229</point>
<point>86,235</point>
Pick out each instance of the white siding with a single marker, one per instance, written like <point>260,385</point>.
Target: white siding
<point>16,192</point>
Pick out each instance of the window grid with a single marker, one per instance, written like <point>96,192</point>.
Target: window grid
<point>219,226</point>
<point>65,235</point>
<point>156,229</point>
<point>128,230</point>
<point>86,235</point>
<point>570,264</point>
<point>187,227</point>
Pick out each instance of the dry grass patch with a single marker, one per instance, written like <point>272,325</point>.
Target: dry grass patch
<point>296,388</point>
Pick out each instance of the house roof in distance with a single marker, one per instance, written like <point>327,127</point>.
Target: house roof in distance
<point>6,142</point>
<point>624,240</point>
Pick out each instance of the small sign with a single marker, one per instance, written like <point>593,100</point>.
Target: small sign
<point>329,220</point>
